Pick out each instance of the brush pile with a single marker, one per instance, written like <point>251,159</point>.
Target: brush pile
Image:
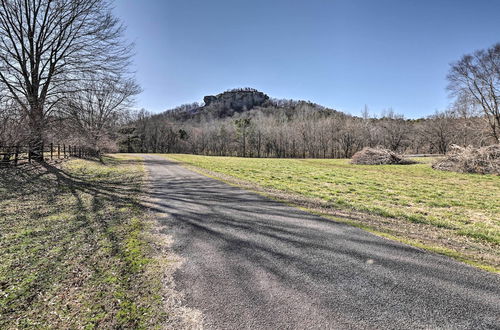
<point>379,156</point>
<point>485,160</point>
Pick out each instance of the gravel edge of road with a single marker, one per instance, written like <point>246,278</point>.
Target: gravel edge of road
<point>179,316</point>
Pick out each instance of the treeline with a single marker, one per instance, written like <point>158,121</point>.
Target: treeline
<point>302,129</point>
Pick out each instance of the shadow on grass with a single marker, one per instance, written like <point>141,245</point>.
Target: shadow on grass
<point>36,178</point>
<point>64,229</point>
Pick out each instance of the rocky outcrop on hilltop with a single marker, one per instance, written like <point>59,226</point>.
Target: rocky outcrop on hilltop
<point>236,99</point>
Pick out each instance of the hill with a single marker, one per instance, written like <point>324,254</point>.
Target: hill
<point>236,101</point>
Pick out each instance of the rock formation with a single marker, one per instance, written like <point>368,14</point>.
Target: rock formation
<point>236,99</point>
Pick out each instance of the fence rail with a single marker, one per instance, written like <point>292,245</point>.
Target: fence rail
<point>18,153</point>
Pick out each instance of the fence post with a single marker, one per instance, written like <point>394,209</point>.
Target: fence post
<point>51,150</point>
<point>16,155</point>
<point>58,151</point>
<point>64,150</point>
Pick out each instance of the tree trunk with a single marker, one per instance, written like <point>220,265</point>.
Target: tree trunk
<point>36,126</point>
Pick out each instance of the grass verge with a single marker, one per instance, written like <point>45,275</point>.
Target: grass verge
<point>78,248</point>
<point>450,213</point>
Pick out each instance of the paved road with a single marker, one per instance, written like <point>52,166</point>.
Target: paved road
<point>253,263</point>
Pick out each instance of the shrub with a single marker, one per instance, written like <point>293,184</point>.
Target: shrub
<point>485,160</point>
<point>379,156</point>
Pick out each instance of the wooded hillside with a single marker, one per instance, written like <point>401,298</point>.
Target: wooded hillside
<point>246,122</point>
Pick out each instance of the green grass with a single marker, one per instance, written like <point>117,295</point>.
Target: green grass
<point>75,249</point>
<point>466,205</point>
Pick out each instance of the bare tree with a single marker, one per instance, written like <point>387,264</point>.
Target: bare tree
<point>440,131</point>
<point>10,123</point>
<point>242,127</point>
<point>94,110</point>
<point>395,130</point>
<point>471,127</point>
<point>349,138</point>
<point>478,75</point>
<point>48,47</point>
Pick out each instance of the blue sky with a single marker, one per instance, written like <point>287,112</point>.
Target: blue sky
<point>341,54</point>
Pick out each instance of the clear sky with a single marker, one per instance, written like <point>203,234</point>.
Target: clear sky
<point>338,53</point>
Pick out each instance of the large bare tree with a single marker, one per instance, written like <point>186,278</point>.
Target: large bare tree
<point>48,48</point>
<point>478,75</point>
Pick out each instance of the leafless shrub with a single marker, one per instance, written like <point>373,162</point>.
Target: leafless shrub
<point>485,160</point>
<point>379,156</point>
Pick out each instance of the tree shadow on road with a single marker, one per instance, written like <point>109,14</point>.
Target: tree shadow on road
<point>238,238</point>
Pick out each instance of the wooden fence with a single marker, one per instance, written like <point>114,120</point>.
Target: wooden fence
<point>18,153</point>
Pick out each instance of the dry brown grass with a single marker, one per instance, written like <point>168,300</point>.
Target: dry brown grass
<point>485,160</point>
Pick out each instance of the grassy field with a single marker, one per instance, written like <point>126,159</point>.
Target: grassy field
<point>75,247</point>
<point>451,213</point>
